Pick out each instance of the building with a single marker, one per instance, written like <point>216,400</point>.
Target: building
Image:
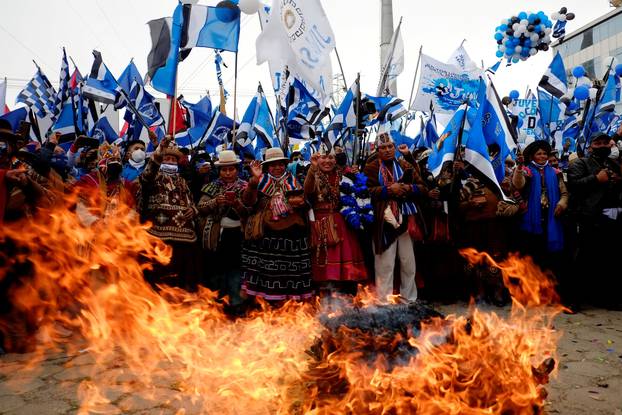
<point>591,45</point>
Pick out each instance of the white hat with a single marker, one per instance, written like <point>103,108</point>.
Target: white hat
<point>227,158</point>
<point>274,154</point>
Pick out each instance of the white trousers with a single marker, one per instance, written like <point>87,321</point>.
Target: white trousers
<point>384,265</point>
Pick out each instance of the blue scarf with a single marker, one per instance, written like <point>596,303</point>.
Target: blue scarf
<point>532,219</point>
<point>406,207</point>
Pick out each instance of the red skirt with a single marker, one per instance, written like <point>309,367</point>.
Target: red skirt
<point>341,262</point>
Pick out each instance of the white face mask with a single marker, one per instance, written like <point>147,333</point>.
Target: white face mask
<point>615,153</point>
<point>168,168</point>
<point>138,156</point>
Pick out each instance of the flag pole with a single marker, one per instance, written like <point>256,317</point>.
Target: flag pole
<point>235,96</point>
<point>343,76</point>
<point>412,89</point>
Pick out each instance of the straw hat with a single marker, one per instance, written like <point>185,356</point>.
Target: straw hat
<point>227,158</point>
<point>6,132</point>
<point>274,154</point>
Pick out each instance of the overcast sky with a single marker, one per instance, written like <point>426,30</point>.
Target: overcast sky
<point>38,29</point>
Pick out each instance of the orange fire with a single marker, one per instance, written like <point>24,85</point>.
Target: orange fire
<point>180,350</point>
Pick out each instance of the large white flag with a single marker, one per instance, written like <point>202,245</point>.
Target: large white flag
<point>299,35</point>
<point>461,58</point>
<point>445,86</point>
<point>393,65</point>
<point>3,106</point>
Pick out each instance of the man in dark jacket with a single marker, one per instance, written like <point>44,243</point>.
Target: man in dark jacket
<point>393,184</point>
<point>595,184</point>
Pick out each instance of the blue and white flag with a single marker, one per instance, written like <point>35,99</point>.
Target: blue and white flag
<point>164,56</point>
<point>191,137</point>
<point>100,85</point>
<point>494,68</point>
<point>218,132</point>
<point>391,110</point>
<point>445,148</point>
<point>210,27</point>
<point>429,134</point>
<point>126,81</point>
<point>256,131</point>
<point>445,86</point>
<point>199,114</point>
<point>552,113</point>
<point>63,93</point>
<point>345,116</point>
<point>65,121</point>
<point>554,80</point>
<point>103,131</point>
<point>495,129</point>
<point>39,94</point>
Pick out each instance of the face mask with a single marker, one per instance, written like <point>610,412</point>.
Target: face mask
<point>168,168</point>
<point>138,156</point>
<point>113,170</point>
<point>601,152</point>
<point>615,153</point>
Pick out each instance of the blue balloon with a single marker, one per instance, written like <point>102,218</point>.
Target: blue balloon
<point>509,50</point>
<point>498,36</point>
<point>525,52</point>
<point>522,15</point>
<point>514,94</point>
<point>582,92</point>
<point>508,43</point>
<point>619,69</point>
<point>499,54</point>
<point>227,11</point>
<point>573,106</point>
<point>503,27</point>
<point>578,71</point>
<point>515,60</point>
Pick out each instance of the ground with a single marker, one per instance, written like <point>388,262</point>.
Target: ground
<point>589,379</point>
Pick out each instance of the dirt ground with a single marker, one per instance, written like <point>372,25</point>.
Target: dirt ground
<point>589,379</point>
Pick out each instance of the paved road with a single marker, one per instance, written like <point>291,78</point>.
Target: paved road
<point>589,380</point>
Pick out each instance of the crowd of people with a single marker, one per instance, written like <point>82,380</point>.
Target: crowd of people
<point>282,228</point>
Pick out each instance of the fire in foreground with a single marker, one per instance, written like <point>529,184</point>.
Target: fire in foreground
<point>295,359</point>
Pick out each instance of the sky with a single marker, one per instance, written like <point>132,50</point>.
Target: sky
<point>38,29</point>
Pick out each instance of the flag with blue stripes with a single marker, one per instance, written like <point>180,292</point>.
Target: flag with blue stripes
<point>40,95</point>
<point>256,131</point>
<point>345,116</point>
<point>125,83</point>
<point>489,127</point>
<point>199,114</point>
<point>445,148</point>
<point>100,85</point>
<point>103,131</point>
<point>554,80</point>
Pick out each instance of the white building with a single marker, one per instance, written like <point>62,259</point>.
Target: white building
<point>591,45</point>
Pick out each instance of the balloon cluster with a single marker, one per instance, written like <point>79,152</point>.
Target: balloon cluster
<point>523,35</point>
<point>562,16</point>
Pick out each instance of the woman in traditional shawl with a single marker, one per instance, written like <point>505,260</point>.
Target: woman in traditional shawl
<point>276,262</point>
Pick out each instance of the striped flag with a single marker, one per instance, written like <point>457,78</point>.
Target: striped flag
<point>345,116</point>
<point>63,84</point>
<point>39,94</point>
<point>210,27</point>
<point>554,80</point>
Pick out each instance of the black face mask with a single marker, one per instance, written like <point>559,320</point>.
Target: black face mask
<point>113,171</point>
<point>341,159</point>
<point>601,153</point>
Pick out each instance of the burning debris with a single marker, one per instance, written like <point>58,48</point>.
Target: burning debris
<point>366,358</point>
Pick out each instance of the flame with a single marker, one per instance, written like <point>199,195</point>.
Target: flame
<point>179,349</point>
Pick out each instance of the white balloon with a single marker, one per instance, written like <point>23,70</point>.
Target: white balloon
<point>515,26</point>
<point>562,17</point>
<point>533,51</point>
<point>555,16</point>
<point>502,48</point>
<point>522,28</point>
<point>524,22</point>
<point>517,34</point>
<point>249,6</point>
<point>548,31</point>
<point>534,38</point>
<point>546,39</point>
<point>518,49</point>
<point>593,93</point>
